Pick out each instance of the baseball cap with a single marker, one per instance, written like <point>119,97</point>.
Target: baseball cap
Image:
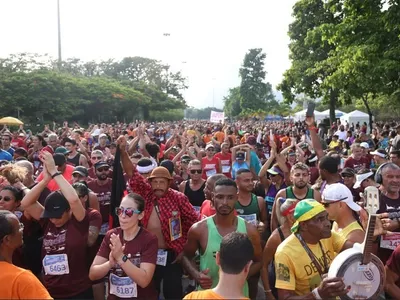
<point>306,210</point>
<point>210,146</point>
<point>348,171</point>
<point>101,164</point>
<point>380,152</point>
<point>360,178</point>
<point>59,159</point>
<point>275,170</point>
<point>160,172</point>
<point>291,152</point>
<point>102,135</point>
<point>240,155</point>
<point>21,135</point>
<point>81,171</point>
<point>55,205</point>
<point>364,145</point>
<point>61,150</point>
<point>251,140</point>
<point>185,158</point>
<point>339,192</point>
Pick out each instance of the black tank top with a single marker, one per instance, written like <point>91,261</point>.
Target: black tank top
<point>75,160</point>
<point>196,198</point>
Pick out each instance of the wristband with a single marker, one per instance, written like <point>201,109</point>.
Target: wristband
<point>55,174</point>
<point>316,294</point>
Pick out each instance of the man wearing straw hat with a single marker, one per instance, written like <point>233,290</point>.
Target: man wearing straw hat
<point>305,256</point>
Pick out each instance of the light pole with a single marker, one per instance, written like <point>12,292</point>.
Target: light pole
<point>59,34</point>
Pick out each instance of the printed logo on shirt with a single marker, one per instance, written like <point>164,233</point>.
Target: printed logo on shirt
<point>209,166</point>
<point>104,198</point>
<point>310,268</point>
<point>282,273</point>
<point>55,242</point>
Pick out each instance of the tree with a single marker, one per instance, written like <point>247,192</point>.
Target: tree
<point>232,102</point>
<point>307,50</point>
<point>254,91</point>
<point>200,113</point>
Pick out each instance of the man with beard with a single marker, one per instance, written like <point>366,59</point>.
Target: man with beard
<point>101,186</point>
<point>207,208</point>
<point>206,235</point>
<point>300,176</point>
<point>194,187</point>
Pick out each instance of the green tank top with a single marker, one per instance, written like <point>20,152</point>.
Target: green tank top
<point>251,212</point>
<point>207,259</point>
<point>291,195</point>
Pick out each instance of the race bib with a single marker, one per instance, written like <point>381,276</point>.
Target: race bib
<point>226,169</point>
<point>103,229</point>
<point>390,241</point>
<point>162,257</point>
<point>122,287</point>
<point>211,172</point>
<point>252,219</point>
<point>56,264</point>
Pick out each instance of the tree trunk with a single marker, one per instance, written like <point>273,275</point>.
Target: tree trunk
<point>332,105</point>
<point>365,100</point>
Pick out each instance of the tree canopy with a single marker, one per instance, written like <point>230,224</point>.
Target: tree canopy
<point>32,87</point>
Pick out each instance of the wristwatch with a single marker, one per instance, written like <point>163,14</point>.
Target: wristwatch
<point>124,258</point>
<point>55,174</point>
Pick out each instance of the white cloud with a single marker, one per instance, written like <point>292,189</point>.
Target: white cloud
<point>212,37</point>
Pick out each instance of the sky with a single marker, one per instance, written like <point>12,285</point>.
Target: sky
<point>208,39</point>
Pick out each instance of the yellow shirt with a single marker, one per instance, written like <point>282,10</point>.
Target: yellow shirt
<point>294,270</point>
<point>333,144</point>
<point>206,294</point>
<point>347,230</point>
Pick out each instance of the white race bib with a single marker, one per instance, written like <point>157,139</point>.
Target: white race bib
<point>162,257</point>
<point>252,219</point>
<point>211,172</point>
<point>122,287</point>
<point>103,229</point>
<point>56,264</point>
<point>390,241</point>
<point>226,169</point>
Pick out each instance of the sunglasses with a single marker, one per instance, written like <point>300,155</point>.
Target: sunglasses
<point>326,204</point>
<point>96,158</point>
<point>103,169</point>
<point>129,212</point>
<point>77,175</point>
<point>347,176</point>
<point>196,171</point>
<point>210,149</point>
<point>5,198</point>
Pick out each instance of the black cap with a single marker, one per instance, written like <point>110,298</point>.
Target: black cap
<point>59,159</point>
<point>169,165</point>
<point>186,158</point>
<point>101,164</point>
<point>348,171</point>
<point>240,155</point>
<point>55,205</point>
<point>81,171</point>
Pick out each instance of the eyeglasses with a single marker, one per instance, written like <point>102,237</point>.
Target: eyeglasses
<point>5,198</point>
<point>96,158</point>
<point>129,212</point>
<point>103,169</point>
<point>347,176</point>
<point>196,171</point>
<point>77,175</point>
<point>210,149</point>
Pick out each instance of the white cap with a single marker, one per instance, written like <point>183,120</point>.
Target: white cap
<point>209,146</point>
<point>339,192</point>
<point>102,135</point>
<point>360,178</point>
<point>364,145</point>
<point>379,152</point>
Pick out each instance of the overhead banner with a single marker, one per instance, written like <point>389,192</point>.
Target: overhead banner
<point>217,116</point>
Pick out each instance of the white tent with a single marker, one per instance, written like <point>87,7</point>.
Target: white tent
<point>301,115</point>
<point>354,117</point>
<point>338,113</point>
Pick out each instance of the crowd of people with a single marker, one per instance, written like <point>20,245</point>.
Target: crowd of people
<point>226,208</point>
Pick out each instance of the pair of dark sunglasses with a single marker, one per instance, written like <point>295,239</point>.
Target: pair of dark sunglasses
<point>5,198</point>
<point>196,171</point>
<point>103,169</point>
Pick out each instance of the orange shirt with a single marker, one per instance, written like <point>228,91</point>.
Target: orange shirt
<point>52,185</point>
<point>18,283</point>
<point>219,136</point>
<point>206,294</point>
